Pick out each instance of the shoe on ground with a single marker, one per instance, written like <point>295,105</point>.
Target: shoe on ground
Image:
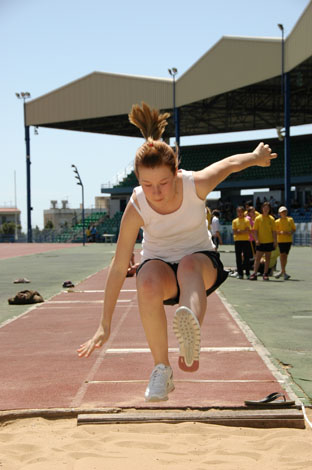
<point>240,276</point>
<point>21,280</point>
<point>233,274</point>
<point>68,284</point>
<point>187,330</point>
<point>253,277</point>
<point>286,276</point>
<point>278,275</point>
<point>160,383</point>
<point>265,277</point>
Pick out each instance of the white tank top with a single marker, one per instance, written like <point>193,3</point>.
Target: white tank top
<point>172,236</point>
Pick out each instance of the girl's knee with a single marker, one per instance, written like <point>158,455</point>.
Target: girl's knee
<point>188,264</point>
<point>148,286</point>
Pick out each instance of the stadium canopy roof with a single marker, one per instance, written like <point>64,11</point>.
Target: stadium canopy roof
<point>235,86</point>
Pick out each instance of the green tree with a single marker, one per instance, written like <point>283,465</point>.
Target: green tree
<point>8,228</point>
<point>49,225</point>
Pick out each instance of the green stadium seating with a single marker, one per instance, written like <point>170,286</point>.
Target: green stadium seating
<point>199,156</point>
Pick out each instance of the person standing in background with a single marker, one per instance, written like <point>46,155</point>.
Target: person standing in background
<point>248,205</point>
<point>265,236</point>
<point>215,229</point>
<point>251,216</point>
<point>241,231</point>
<point>285,227</point>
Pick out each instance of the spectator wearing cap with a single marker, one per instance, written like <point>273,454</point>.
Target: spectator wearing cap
<point>285,227</point>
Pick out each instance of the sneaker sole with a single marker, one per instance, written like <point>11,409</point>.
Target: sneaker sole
<point>187,330</point>
<point>164,398</point>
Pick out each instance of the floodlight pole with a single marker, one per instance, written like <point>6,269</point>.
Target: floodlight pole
<point>286,102</point>
<point>173,71</point>
<point>24,96</point>
<point>82,205</point>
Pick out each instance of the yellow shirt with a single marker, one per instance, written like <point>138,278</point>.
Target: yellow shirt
<point>241,224</point>
<point>265,226</point>
<point>286,224</point>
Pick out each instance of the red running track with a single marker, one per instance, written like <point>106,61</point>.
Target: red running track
<point>40,368</point>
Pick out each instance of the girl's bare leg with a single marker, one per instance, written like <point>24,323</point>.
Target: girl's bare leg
<point>283,261</point>
<point>257,261</point>
<point>267,256</point>
<point>196,274</point>
<point>156,282</point>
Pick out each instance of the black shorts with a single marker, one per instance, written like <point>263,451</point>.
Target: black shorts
<point>215,258</point>
<point>284,247</point>
<point>265,247</point>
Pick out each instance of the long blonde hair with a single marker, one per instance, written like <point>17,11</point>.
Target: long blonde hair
<point>154,152</point>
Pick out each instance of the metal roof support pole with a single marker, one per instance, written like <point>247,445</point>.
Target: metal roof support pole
<point>28,163</point>
<point>173,71</point>
<point>25,95</point>
<point>177,125</point>
<point>286,142</point>
<point>285,95</point>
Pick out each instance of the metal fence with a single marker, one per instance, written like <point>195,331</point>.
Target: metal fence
<point>302,237</point>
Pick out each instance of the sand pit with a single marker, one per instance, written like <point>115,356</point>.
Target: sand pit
<point>41,444</point>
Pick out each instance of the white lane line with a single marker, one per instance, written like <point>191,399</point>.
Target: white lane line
<point>203,349</point>
<point>78,398</point>
<point>64,307</point>
<point>81,301</point>
<point>182,381</point>
<point>98,290</point>
<point>302,316</point>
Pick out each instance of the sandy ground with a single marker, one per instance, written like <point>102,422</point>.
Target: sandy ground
<point>41,444</point>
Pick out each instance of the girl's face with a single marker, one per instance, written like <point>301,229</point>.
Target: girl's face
<point>240,213</point>
<point>265,210</point>
<point>283,214</point>
<point>252,213</point>
<point>158,184</point>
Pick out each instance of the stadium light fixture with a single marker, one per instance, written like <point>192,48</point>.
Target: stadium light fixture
<point>77,176</point>
<point>286,112</point>
<point>173,71</point>
<point>25,95</point>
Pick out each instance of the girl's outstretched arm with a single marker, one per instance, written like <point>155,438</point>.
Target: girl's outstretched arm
<point>207,179</point>
<point>129,228</point>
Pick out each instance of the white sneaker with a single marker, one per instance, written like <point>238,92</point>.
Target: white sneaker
<point>286,277</point>
<point>278,275</point>
<point>160,384</point>
<point>187,330</point>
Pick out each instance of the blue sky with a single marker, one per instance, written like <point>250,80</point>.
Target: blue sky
<point>46,44</point>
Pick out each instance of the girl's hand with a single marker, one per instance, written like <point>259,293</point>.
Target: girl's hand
<point>96,341</point>
<point>264,155</point>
